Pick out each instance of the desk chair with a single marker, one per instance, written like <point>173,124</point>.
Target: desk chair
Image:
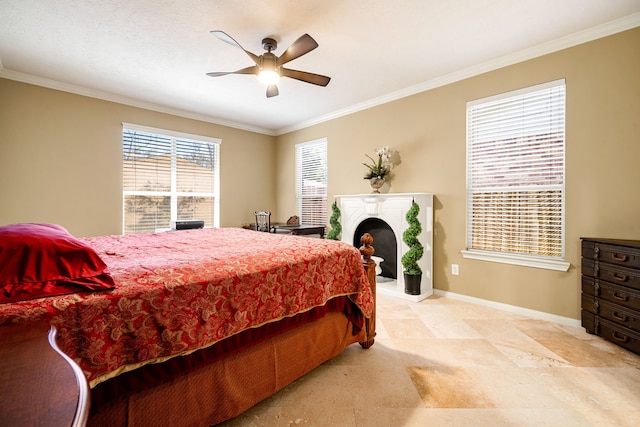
<point>263,221</point>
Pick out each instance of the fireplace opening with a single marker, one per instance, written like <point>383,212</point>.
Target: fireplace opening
<point>384,242</point>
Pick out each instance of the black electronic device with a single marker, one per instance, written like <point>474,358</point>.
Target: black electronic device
<point>187,224</point>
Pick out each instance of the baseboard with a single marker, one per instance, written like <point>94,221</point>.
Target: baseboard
<point>511,308</point>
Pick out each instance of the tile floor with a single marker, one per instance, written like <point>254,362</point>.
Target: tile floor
<point>445,362</point>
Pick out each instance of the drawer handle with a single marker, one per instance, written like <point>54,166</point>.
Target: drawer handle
<point>621,258</point>
<point>620,277</point>
<point>619,337</point>
<point>619,317</point>
<point>620,297</point>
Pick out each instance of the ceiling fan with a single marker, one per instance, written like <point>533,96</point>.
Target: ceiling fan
<point>269,67</point>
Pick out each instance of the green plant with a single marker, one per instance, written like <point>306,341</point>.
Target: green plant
<point>336,228</point>
<point>410,237</point>
<point>382,166</point>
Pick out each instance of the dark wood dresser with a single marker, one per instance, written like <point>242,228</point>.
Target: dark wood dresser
<point>611,290</point>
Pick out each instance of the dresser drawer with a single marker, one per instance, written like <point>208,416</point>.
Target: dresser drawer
<point>614,312</point>
<point>619,335</point>
<point>612,273</point>
<point>611,253</point>
<point>622,316</point>
<point>617,294</point>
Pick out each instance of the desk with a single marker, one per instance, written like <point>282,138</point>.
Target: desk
<point>296,230</point>
<point>299,230</point>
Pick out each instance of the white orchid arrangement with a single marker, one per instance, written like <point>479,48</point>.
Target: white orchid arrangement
<point>382,166</point>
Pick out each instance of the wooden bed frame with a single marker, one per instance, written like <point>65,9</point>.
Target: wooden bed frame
<point>219,390</point>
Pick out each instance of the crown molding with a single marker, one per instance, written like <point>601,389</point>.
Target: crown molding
<point>106,96</point>
<point>571,40</point>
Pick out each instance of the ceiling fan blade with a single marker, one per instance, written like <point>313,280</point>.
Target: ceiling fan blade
<point>304,44</point>
<point>304,76</point>
<point>272,90</point>
<point>249,70</point>
<point>228,39</point>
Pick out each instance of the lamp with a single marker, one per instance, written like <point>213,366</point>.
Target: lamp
<point>269,77</point>
<point>269,73</point>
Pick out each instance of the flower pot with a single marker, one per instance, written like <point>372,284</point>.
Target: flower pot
<point>412,283</point>
<point>376,182</point>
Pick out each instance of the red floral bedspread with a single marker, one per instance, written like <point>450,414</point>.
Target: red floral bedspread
<point>181,291</point>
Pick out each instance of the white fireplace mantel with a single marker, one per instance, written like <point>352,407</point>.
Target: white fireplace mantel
<point>392,208</point>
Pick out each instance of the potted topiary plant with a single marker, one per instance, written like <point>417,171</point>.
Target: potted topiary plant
<point>412,271</point>
<point>336,228</point>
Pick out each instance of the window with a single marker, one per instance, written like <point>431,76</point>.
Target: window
<point>311,182</point>
<point>168,176</point>
<point>515,177</point>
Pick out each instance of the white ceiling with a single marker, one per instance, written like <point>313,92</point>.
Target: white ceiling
<point>155,53</point>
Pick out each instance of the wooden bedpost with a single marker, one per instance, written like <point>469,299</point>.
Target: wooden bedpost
<point>370,269</point>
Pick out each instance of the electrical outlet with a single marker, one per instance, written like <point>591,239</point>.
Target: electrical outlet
<point>454,269</point>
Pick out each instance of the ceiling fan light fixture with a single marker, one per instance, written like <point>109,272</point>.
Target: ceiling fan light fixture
<point>269,67</point>
<point>269,77</point>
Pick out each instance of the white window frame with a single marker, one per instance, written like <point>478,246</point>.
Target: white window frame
<point>558,262</point>
<point>320,218</point>
<point>173,193</point>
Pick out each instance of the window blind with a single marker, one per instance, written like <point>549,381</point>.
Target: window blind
<point>311,182</point>
<point>515,172</point>
<point>168,177</point>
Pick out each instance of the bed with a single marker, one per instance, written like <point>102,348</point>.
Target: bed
<point>190,327</point>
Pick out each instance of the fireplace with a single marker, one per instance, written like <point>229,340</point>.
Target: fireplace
<point>383,216</point>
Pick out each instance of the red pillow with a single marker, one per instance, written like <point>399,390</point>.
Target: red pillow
<point>40,260</point>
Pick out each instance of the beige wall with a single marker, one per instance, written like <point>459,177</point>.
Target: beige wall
<point>61,160</point>
<point>428,129</point>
